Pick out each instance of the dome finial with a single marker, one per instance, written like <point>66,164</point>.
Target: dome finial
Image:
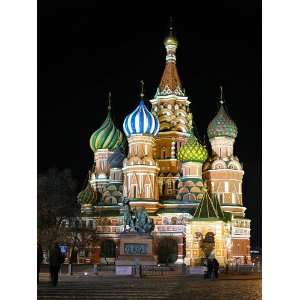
<point>109,101</point>
<point>142,89</point>
<point>221,95</point>
<point>221,124</point>
<point>170,40</point>
<point>171,26</point>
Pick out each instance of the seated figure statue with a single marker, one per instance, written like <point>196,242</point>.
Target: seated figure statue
<point>137,220</point>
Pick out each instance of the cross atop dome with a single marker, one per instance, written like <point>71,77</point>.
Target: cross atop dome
<point>222,125</point>
<point>109,101</point>
<point>142,89</point>
<point>221,95</point>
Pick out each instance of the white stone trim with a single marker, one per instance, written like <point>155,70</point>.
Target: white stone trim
<point>228,169</point>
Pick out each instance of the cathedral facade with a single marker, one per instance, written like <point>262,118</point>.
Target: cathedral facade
<point>157,163</point>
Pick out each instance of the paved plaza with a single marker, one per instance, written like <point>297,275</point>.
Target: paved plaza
<point>227,287</point>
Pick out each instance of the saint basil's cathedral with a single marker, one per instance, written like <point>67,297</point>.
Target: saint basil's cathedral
<point>157,163</point>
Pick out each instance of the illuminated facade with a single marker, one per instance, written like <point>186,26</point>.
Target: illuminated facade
<point>194,199</point>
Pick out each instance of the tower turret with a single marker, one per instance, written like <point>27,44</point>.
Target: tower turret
<point>192,155</point>
<point>222,131</point>
<point>104,141</point>
<point>140,169</point>
<point>223,171</point>
<point>171,106</point>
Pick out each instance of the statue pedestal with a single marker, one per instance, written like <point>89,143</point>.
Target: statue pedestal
<point>136,249</point>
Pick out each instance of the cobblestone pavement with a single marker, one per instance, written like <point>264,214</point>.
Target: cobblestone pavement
<point>240,287</point>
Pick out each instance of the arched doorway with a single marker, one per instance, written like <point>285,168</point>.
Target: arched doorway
<point>108,249</point>
<point>208,244</point>
<point>167,250</point>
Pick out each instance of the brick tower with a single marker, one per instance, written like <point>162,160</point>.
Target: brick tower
<point>171,106</point>
<point>224,175</point>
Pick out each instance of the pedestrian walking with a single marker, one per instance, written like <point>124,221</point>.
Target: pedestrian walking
<point>209,268</point>
<point>56,258</point>
<point>216,265</point>
<point>39,260</point>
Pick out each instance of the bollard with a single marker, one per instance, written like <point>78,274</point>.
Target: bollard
<point>95,269</point>
<point>140,270</point>
<point>70,269</point>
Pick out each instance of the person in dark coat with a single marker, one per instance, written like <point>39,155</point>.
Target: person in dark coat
<point>56,258</point>
<point>216,265</point>
<point>39,260</point>
<point>209,268</point>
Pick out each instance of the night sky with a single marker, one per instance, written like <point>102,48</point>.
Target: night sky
<point>86,50</point>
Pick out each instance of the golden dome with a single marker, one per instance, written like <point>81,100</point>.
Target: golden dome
<point>171,40</point>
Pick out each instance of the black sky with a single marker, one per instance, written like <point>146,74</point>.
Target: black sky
<point>86,50</point>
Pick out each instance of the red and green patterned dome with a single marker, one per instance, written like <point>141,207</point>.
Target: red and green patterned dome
<point>192,151</point>
<point>222,125</point>
<point>108,136</point>
<point>88,196</point>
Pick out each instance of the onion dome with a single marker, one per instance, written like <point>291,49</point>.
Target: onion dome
<point>192,151</point>
<point>222,125</point>
<point>170,40</point>
<point>88,196</point>
<point>107,136</point>
<point>141,121</point>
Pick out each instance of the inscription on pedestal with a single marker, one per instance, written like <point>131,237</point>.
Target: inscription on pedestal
<point>135,249</point>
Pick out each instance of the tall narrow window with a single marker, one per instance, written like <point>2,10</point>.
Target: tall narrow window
<point>147,190</point>
<point>188,171</point>
<point>221,198</point>
<point>163,152</point>
<point>134,190</point>
<point>233,199</point>
<point>226,187</point>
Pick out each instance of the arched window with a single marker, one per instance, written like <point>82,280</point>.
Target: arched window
<point>174,220</point>
<point>167,250</point>
<point>163,152</point>
<point>91,224</point>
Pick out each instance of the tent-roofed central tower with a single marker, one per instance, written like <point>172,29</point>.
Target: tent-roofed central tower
<point>171,106</point>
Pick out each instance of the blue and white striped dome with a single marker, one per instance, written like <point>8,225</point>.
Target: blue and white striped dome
<point>141,121</point>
